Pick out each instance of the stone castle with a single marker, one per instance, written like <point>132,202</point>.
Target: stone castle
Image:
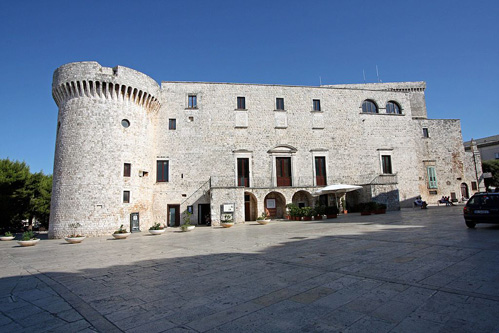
<point>132,152</point>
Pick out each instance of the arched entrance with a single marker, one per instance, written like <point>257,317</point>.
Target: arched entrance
<point>302,199</point>
<point>275,205</point>
<point>464,191</point>
<point>250,207</point>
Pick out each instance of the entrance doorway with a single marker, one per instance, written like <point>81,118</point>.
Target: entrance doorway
<point>174,215</point>
<point>464,191</point>
<point>204,213</point>
<point>250,207</point>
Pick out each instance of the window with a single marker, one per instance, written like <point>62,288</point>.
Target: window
<point>320,171</point>
<point>172,124</point>
<point>279,103</point>
<point>192,102</point>
<point>425,133</point>
<point>386,164</point>
<point>392,107</point>
<point>243,172</point>
<point>473,186</point>
<point>317,104</point>
<point>127,167</point>
<point>283,171</point>
<point>369,107</point>
<point>162,171</point>
<point>241,103</point>
<point>432,177</point>
<point>126,196</point>
<point>496,156</point>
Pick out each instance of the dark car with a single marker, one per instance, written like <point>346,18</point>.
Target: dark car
<point>482,208</point>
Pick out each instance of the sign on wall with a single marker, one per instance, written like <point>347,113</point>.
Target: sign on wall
<point>270,203</point>
<point>228,208</point>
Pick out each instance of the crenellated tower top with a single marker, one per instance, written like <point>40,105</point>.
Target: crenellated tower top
<point>89,79</point>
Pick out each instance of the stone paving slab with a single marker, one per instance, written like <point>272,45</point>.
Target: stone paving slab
<point>406,271</point>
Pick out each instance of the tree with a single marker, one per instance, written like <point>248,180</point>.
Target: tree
<point>491,166</point>
<point>13,204</point>
<point>23,195</point>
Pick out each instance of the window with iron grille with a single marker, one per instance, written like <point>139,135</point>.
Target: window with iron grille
<point>279,103</point>
<point>317,104</point>
<point>241,103</point>
<point>162,171</point>
<point>127,167</point>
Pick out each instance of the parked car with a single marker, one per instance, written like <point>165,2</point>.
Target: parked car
<point>482,208</point>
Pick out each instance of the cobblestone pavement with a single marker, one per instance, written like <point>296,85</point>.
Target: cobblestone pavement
<point>408,271</point>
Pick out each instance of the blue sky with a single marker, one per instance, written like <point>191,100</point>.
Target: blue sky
<point>452,45</point>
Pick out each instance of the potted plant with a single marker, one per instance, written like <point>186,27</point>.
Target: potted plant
<point>157,229</point>
<point>7,236</point>
<point>365,208</point>
<point>372,206</point>
<point>227,221</point>
<point>380,209</point>
<point>74,237</point>
<point>28,239</point>
<point>332,212</point>
<point>300,213</point>
<point>187,222</point>
<point>121,233</point>
<point>291,211</point>
<point>319,212</point>
<point>343,205</point>
<point>263,219</point>
<point>308,212</point>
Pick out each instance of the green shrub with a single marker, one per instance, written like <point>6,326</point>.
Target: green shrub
<point>28,235</point>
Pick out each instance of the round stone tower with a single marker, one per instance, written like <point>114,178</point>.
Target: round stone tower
<point>104,148</point>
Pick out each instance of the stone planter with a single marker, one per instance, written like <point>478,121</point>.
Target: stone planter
<point>122,235</point>
<point>186,228</point>
<point>74,240</point>
<point>263,222</point>
<point>7,238</point>
<point>30,242</point>
<point>227,224</point>
<point>157,232</point>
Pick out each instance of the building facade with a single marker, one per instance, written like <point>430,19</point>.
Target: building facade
<point>488,147</point>
<point>128,149</point>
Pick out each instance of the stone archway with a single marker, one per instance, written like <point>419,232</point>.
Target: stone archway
<point>303,199</point>
<point>250,207</point>
<point>275,205</point>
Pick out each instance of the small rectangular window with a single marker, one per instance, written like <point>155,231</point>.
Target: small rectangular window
<point>126,196</point>
<point>425,133</point>
<point>473,186</point>
<point>192,102</point>
<point>386,161</point>
<point>317,104</point>
<point>127,167</point>
<point>432,177</point>
<point>241,103</point>
<point>496,155</point>
<point>161,171</point>
<point>279,103</point>
<point>172,124</point>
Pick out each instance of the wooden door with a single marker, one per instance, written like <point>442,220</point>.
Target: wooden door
<point>283,171</point>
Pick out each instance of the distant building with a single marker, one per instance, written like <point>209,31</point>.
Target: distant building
<point>488,147</point>
<point>132,152</point>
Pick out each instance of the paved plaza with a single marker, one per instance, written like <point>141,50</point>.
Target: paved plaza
<point>406,271</point>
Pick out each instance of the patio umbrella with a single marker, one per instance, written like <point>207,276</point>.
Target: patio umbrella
<point>336,189</point>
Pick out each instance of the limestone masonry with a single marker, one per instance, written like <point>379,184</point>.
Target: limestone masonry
<point>131,152</point>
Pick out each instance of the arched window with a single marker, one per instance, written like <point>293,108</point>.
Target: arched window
<point>392,107</point>
<point>369,106</point>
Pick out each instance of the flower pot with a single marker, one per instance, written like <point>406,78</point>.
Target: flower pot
<point>345,212</point>
<point>318,217</point>
<point>7,238</point>
<point>227,224</point>
<point>122,235</point>
<point>307,218</point>
<point>332,216</point>
<point>30,242</point>
<point>186,228</point>
<point>74,240</point>
<point>157,232</point>
<point>380,211</point>
<point>365,213</point>
<point>263,222</point>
